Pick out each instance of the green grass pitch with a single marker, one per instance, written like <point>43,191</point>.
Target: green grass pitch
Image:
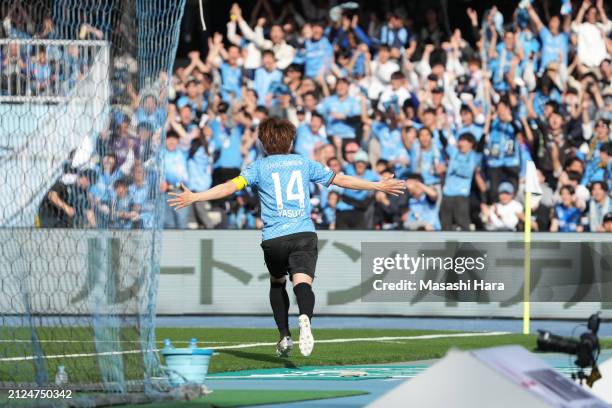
<point>61,345</point>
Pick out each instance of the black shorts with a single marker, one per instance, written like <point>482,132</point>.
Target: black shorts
<point>290,254</point>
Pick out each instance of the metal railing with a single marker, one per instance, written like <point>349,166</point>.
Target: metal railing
<point>33,70</point>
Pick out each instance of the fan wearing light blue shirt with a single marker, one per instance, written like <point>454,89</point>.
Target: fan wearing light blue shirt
<point>231,72</point>
<point>150,112</point>
<point>426,157</point>
<point>555,38</point>
<point>309,136</point>
<point>142,198</point>
<point>599,168</point>
<point>319,53</point>
<point>394,34</point>
<point>392,150</point>
<point>227,143</point>
<point>340,110</point>
<point>502,152</point>
<point>352,207</point>
<point>463,162</point>
<point>175,174</point>
<point>265,77</point>
<point>422,205</point>
<point>468,125</point>
<point>199,165</point>
<point>566,215</point>
<point>501,56</point>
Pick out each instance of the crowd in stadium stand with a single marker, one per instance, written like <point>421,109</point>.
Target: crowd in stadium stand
<point>456,114</point>
<point>32,68</point>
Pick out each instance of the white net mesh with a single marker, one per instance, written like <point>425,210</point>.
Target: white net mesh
<point>79,243</point>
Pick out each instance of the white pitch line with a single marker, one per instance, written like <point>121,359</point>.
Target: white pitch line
<point>362,339</point>
<point>250,345</point>
<point>105,341</point>
<point>56,356</point>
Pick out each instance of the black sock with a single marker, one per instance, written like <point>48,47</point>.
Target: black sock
<point>305,298</point>
<point>279,300</point>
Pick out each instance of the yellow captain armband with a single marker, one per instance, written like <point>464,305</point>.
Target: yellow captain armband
<point>240,182</point>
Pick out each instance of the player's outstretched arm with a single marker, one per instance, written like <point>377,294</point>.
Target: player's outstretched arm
<point>389,186</point>
<point>188,197</point>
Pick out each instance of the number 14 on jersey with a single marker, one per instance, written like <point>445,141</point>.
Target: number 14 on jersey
<point>293,192</point>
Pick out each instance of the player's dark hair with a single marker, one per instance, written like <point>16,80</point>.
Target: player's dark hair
<point>276,135</point>
<point>568,188</point>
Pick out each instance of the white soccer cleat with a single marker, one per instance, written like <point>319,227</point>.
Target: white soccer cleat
<point>306,338</point>
<point>284,346</point>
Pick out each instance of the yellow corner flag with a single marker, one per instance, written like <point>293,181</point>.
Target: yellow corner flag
<point>532,186</point>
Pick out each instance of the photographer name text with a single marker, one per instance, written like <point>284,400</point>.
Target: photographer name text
<point>430,285</point>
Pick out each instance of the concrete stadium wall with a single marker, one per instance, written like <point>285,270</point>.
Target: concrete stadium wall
<point>223,272</point>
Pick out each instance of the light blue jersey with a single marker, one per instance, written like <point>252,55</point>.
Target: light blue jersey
<point>476,129</point>
<point>319,56</point>
<point>501,149</point>
<point>306,141</point>
<point>348,107</point>
<point>553,47</point>
<point>283,184</point>
<point>391,147</point>
<point>262,84</point>
<point>231,79</point>
<point>460,172</point>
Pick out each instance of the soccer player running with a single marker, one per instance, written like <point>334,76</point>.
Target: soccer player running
<point>289,240</point>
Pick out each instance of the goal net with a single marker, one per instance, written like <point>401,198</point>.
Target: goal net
<point>82,108</point>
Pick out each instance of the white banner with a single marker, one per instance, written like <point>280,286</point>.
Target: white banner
<point>222,272</point>
<point>87,272</point>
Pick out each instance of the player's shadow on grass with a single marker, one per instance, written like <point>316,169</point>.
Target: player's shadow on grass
<point>261,357</point>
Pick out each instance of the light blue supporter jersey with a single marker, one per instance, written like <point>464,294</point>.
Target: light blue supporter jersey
<point>460,172</point>
<point>319,55</point>
<point>263,82</point>
<point>306,141</point>
<point>501,149</point>
<point>283,184</point>
<point>348,107</point>
<point>554,47</point>
<point>391,147</point>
